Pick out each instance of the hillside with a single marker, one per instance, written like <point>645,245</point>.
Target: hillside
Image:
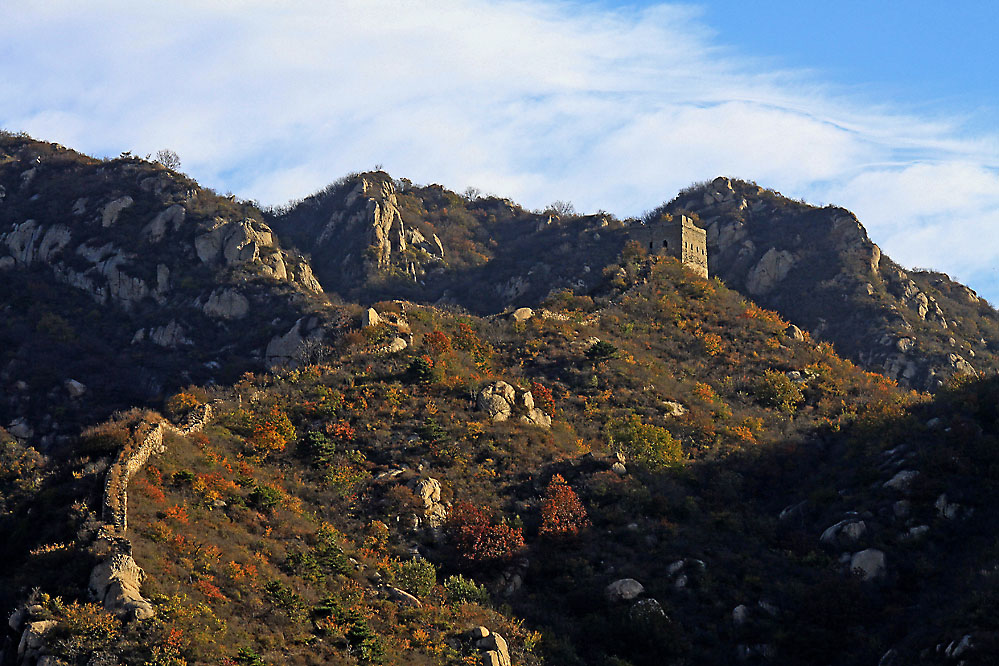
<point>730,475</point>
<point>121,280</point>
<point>372,238</point>
<point>214,457</point>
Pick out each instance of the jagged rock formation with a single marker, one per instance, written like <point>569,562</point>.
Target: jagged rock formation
<point>370,237</point>
<point>820,270</point>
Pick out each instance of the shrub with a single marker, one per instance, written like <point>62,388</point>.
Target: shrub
<point>319,448</point>
<point>649,444</point>
<point>562,514</point>
<point>83,629</point>
<point>421,370</point>
<point>418,576</point>
<point>105,438</point>
<point>601,351</point>
<point>543,398</point>
<point>477,538</point>
<point>264,498</point>
<point>437,342</point>
<point>180,405</point>
<point>775,389</point>
<point>461,590</point>
<point>270,431</point>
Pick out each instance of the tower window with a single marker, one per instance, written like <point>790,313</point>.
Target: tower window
<point>665,244</point>
<point>651,244</point>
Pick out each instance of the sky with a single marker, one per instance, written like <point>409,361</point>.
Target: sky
<point>887,108</point>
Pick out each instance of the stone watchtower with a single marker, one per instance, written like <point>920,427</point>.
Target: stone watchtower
<point>679,238</point>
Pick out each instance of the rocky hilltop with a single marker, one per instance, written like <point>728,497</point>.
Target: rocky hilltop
<point>372,237</point>
<point>159,281</point>
<point>819,269</point>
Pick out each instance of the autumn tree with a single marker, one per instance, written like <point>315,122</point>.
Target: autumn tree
<point>562,514</point>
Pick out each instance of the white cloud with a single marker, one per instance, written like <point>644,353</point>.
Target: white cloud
<point>528,99</point>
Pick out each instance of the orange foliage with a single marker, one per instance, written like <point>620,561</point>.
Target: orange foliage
<point>210,590</point>
<point>543,398</point>
<point>437,342</point>
<point>271,431</point>
<point>562,514</point>
<point>478,539</point>
<point>177,513</point>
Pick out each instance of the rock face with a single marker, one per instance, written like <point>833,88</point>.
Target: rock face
<point>771,269</point>
<point>496,400</point>
<point>111,211</point>
<point>227,304</point>
<point>284,350</point>
<point>116,582</point>
<point>363,234</point>
<point>496,651</point>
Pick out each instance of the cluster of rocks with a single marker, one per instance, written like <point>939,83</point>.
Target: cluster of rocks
<point>30,623</point>
<point>397,322</point>
<point>493,648</point>
<point>501,401</point>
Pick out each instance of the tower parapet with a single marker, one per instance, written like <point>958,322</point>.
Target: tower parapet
<point>679,238</point>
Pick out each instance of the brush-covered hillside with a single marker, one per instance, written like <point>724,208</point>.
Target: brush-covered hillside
<point>391,424</point>
<point>657,473</point>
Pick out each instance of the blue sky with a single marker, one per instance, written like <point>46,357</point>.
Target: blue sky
<point>887,108</point>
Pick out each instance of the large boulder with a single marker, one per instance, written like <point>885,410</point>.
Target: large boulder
<point>497,653</point>
<point>845,532</point>
<point>33,640</point>
<point>434,511</point>
<point>169,219</point>
<point>624,589</point>
<point>111,211</point>
<point>284,350</point>
<point>496,399</point>
<point>869,564</point>
<point>115,583</point>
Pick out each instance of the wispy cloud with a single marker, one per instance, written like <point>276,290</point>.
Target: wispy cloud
<point>533,100</point>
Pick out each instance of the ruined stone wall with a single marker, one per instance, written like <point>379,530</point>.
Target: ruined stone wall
<point>116,580</point>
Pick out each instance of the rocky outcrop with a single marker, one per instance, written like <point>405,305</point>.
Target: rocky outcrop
<point>624,589</point>
<point>111,210</point>
<point>769,271</point>
<point>493,647</point>
<point>819,269</point>
<point>869,564</point>
<point>286,350</point>
<point>169,219</point>
<point>227,304</point>
<point>434,511</point>
<point>496,399</point>
<point>500,401</point>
